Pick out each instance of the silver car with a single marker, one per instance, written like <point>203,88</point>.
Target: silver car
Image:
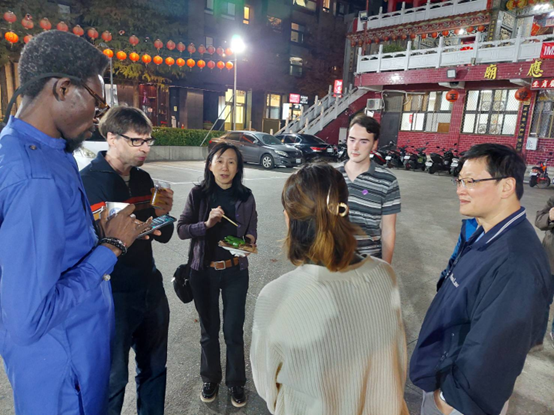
<point>261,148</point>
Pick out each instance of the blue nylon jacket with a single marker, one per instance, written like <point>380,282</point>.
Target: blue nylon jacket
<point>56,310</point>
<point>488,313</point>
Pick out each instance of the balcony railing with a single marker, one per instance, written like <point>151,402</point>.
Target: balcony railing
<point>511,50</point>
<point>417,14</point>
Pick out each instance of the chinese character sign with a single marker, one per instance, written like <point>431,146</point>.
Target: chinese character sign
<point>337,90</point>
<point>490,72</point>
<point>535,70</point>
<point>543,84</point>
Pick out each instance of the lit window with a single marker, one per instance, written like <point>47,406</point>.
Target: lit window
<point>297,33</point>
<point>273,106</point>
<point>295,66</point>
<point>275,23</point>
<point>307,4</point>
<point>246,19</point>
<point>427,112</point>
<point>491,112</point>
<point>326,6</point>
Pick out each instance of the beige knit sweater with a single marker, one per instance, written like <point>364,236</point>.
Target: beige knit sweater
<point>327,343</point>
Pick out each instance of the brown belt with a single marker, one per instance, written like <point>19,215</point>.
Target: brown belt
<point>221,265</point>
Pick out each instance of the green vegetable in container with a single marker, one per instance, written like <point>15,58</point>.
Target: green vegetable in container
<point>234,241</point>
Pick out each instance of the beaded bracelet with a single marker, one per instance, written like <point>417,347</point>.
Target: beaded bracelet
<point>118,243</point>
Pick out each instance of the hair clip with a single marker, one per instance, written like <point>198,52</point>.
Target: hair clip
<point>339,206</point>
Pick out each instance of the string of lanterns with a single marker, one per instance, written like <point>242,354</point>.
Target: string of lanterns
<point>106,36</point>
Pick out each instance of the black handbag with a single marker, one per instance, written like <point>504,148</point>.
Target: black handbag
<point>181,281</point>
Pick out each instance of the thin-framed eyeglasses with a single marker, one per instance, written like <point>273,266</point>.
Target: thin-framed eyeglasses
<point>101,105</point>
<point>470,183</point>
<point>138,142</point>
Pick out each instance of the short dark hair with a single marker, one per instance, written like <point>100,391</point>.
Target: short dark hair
<point>209,185</point>
<point>54,51</point>
<point>369,123</point>
<point>119,120</point>
<point>502,161</point>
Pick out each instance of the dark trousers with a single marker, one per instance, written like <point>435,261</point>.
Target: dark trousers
<point>233,285</point>
<point>140,323</point>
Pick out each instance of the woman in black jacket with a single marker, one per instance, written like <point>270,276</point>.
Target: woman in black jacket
<point>215,270</point>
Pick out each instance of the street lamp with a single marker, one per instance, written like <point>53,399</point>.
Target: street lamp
<point>237,46</point>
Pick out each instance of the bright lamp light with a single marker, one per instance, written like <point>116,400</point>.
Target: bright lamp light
<point>237,44</point>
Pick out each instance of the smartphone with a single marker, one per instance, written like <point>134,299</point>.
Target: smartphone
<point>158,223</point>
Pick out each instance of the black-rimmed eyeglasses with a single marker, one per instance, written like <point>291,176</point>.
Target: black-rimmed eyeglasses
<point>138,142</point>
<point>470,183</point>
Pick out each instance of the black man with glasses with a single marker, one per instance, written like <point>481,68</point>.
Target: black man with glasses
<point>489,310</point>
<point>141,307</point>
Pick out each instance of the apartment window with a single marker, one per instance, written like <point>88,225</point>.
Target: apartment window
<point>209,41</point>
<point>247,11</point>
<point>295,66</point>
<point>490,112</point>
<point>307,4</point>
<point>297,33</point>
<point>229,8</point>
<point>275,23</point>
<point>543,119</point>
<point>273,106</point>
<point>429,112</point>
<point>327,6</point>
<point>341,9</point>
<point>210,5</point>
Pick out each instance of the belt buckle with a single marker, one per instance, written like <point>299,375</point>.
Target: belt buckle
<point>217,265</point>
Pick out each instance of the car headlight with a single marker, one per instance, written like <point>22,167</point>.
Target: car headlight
<point>88,153</point>
<point>281,153</point>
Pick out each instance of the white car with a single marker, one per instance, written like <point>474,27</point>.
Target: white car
<point>89,150</point>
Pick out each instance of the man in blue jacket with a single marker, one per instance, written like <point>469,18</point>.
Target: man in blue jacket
<point>489,309</point>
<point>56,312</point>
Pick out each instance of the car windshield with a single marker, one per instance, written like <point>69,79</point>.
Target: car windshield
<point>311,139</point>
<point>268,139</point>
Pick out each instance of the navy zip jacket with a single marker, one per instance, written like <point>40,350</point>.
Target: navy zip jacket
<point>488,313</point>
<point>135,271</point>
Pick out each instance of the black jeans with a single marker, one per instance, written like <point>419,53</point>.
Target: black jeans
<point>233,285</point>
<point>141,323</point>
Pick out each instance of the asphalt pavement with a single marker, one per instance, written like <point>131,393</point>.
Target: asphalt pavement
<point>427,231</point>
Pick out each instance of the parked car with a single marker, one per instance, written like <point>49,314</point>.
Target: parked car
<point>312,147</point>
<point>89,150</point>
<point>261,148</point>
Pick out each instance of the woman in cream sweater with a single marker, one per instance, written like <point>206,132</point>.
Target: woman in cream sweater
<point>328,337</point>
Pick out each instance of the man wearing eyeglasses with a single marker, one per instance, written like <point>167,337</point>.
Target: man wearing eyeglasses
<point>141,307</point>
<point>56,308</point>
<point>489,310</point>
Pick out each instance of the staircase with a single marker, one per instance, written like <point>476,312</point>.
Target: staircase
<point>322,112</point>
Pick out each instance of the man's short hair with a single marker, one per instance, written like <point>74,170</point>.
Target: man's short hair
<point>54,51</point>
<point>119,120</point>
<point>502,161</point>
<point>369,123</point>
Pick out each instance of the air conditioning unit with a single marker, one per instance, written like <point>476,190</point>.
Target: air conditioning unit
<point>373,104</point>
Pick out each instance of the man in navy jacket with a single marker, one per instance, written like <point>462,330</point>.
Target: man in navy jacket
<point>490,307</point>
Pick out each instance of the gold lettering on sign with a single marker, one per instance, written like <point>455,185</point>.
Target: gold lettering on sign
<point>535,70</point>
<point>490,73</point>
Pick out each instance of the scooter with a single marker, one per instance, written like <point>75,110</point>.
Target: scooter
<point>416,161</point>
<point>342,152</point>
<point>395,158</point>
<point>455,163</point>
<point>440,162</point>
<point>539,175</point>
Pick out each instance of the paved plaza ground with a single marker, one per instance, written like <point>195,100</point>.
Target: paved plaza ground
<point>427,231</point>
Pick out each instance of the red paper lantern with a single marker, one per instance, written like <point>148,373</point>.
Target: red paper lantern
<point>27,22</point>
<point>481,28</point>
<point>368,42</point>
<point>45,23</point>
<point>470,29</point>
<point>92,33</point>
<point>106,36</point>
<point>413,36</point>
<point>424,36</point>
<point>27,38</point>
<point>220,65</point>
<point>134,56</point>
<point>121,55</point>
<point>404,37</point>
<point>360,42</point>
<point>62,27</point>
<point>228,52</point>
<point>219,51</point>
<point>78,31</point>
<point>394,37</point>
<point>452,95</point>
<point>158,44</point>
<point>11,37</point>
<point>146,58</point>
<point>211,64</point>
<point>434,35</point>
<point>170,45</point>
<point>201,49</point>
<point>181,62</point>
<point>181,47</point>
<point>169,61</point>
<point>108,53</point>
<point>10,17</point>
<point>352,43</point>
<point>201,64</point>
<point>191,63</point>
<point>386,39</point>
<point>211,50</point>
<point>523,94</point>
<point>376,40</point>
<point>445,32</point>
<point>158,60</point>
<point>133,40</point>
<point>229,65</point>
<point>191,48</point>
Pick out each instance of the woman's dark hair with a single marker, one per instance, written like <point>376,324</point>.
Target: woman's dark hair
<point>369,123</point>
<point>319,231</point>
<point>121,119</point>
<point>209,186</point>
<point>502,161</point>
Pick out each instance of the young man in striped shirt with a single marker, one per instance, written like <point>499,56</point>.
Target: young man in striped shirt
<point>374,195</point>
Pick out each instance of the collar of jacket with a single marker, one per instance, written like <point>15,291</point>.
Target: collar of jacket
<point>489,237</point>
<point>100,164</point>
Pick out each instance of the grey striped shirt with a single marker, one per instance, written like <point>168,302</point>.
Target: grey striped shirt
<point>372,195</point>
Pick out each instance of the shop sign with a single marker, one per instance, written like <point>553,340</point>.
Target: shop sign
<point>490,72</point>
<point>337,89</point>
<point>547,51</point>
<point>522,126</point>
<point>543,84</point>
<point>294,98</point>
<point>535,70</point>
<point>303,100</point>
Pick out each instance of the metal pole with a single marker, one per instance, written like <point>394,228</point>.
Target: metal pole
<point>235,96</point>
<point>111,82</point>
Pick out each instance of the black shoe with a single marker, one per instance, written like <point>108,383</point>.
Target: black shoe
<point>209,392</point>
<point>238,397</point>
